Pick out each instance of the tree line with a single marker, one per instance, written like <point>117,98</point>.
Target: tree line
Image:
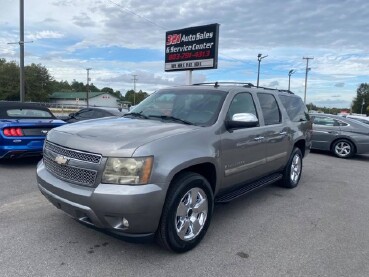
<point>360,103</point>
<point>39,85</point>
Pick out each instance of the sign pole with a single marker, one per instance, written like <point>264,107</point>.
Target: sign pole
<point>189,77</point>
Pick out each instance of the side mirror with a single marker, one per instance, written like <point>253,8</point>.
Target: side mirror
<point>242,120</point>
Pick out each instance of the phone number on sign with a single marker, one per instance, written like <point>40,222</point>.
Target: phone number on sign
<point>189,55</point>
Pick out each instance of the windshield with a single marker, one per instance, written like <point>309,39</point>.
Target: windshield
<point>198,107</point>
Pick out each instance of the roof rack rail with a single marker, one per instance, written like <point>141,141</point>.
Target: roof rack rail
<point>216,84</point>
<point>286,90</point>
<point>280,90</point>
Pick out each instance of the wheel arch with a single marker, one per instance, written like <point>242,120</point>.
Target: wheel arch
<point>301,144</point>
<point>206,169</point>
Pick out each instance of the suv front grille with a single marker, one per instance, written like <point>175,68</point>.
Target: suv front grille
<point>71,165</point>
<point>69,173</point>
<point>74,154</point>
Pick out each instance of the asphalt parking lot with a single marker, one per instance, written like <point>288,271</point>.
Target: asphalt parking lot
<point>321,228</point>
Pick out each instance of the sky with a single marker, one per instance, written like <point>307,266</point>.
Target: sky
<point>118,39</point>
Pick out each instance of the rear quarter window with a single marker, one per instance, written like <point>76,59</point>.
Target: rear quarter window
<point>295,108</point>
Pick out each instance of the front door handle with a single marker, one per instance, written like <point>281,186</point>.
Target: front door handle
<point>258,138</point>
<point>283,133</point>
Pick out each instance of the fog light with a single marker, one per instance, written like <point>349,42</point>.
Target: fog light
<point>125,222</point>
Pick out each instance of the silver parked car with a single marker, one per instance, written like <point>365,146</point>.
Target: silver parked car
<point>344,137</point>
<point>159,169</point>
<point>362,119</point>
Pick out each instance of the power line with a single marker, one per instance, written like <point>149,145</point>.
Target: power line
<point>136,14</point>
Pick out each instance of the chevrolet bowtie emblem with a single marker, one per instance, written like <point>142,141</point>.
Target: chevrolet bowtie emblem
<point>61,160</point>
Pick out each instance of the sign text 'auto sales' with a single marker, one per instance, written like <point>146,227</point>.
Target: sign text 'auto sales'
<point>192,48</point>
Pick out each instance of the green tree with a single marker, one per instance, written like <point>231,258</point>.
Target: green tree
<point>77,86</point>
<point>9,80</point>
<point>60,86</point>
<point>311,106</point>
<point>362,95</point>
<point>137,98</point>
<point>38,84</point>
<point>107,90</point>
<point>93,88</point>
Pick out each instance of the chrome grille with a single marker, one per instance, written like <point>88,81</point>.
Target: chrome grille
<point>74,154</point>
<point>69,173</point>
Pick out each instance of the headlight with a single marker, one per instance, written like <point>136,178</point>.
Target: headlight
<point>127,170</point>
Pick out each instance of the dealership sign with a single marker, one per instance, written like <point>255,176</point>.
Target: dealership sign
<point>192,48</point>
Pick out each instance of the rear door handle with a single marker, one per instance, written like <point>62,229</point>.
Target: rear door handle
<point>283,133</point>
<point>258,138</point>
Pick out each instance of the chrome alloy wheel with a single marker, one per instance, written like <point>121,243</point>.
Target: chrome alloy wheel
<point>342,149</point>
<point>296,166</point>
<point>191,214</point>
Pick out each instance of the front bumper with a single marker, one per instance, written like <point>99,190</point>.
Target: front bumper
<point>106,205</point>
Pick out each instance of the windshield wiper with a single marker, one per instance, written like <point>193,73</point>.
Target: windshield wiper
<point>167,117</point>
<point>140,115</point>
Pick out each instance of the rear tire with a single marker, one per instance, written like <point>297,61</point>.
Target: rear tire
<point>343,148</point>
<point>292,172</point>
<point>187,213</point>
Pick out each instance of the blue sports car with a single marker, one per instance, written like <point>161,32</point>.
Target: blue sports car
<point>23,128</point>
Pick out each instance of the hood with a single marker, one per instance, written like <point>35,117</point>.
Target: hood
<point>115,136</point>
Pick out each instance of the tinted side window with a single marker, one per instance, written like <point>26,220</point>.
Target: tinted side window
<point>242,103</point>
<point>326,121</point>
<point>295,108</point>
<point>98,114</point>
<point>269,106</point>
<point>85,114</point>
<point>341,123</point>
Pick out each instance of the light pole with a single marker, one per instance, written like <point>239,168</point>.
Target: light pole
<point>306,75</point>
<point>362,106</point>
<point>134,89</point>
<point>21,43</point>
<point>289,77</point>
<point>260,57</point>
<point>88,85</point>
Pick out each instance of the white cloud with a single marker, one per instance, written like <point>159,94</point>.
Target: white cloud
<point>44,35</point>
<point>333,32</point>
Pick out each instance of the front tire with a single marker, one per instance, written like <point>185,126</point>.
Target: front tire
<point>293,170</point>
<point>187,212</point>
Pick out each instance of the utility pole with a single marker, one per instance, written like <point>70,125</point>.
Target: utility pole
<point>306,75</point>
<point>88,85</point>
<point>259,60</point>
<point>134,89</point>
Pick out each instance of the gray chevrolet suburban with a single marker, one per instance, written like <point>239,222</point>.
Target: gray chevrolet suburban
<point>158,170</point>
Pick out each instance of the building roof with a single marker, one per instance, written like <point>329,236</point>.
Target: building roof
<point>75,94</point>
